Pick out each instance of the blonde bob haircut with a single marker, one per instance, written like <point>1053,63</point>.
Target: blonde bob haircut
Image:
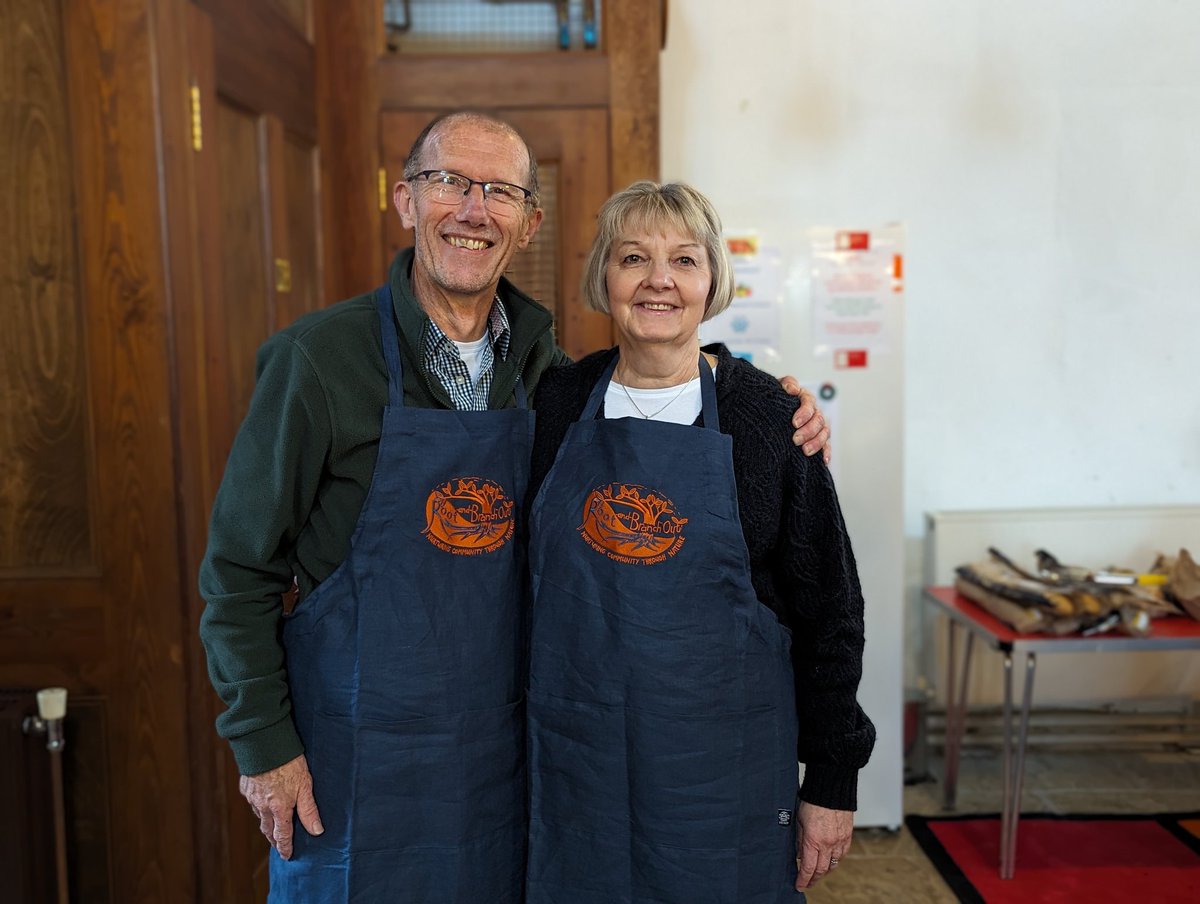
<point>648,205</point>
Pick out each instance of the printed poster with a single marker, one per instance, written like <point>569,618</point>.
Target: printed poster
<point>751,325</point>
<point>857,286</point>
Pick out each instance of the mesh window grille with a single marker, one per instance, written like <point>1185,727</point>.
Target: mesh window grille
<point>535,270</point>
<point>491,26</point>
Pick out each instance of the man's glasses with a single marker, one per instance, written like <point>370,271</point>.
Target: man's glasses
<point>450,188</point>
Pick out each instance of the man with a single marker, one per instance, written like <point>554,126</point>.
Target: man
<point>401,699</point>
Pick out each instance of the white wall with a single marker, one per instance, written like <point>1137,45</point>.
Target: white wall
<point>1045,157</point>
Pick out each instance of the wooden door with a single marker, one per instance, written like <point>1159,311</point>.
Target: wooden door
<point>247,205</point>
<point>573,172</point>
<point>90,587</point>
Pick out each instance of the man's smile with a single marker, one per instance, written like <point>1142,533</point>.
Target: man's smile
<point>461,241</point>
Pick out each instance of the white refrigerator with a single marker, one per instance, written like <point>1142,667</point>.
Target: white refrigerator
<point>827,306</point>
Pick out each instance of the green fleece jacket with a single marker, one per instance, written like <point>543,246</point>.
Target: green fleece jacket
<point>298,476</point>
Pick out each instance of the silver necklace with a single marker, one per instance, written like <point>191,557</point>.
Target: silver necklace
<point>652,414</point>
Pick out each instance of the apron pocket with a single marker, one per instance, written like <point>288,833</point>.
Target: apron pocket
<point>685,775</point>
<point>667,875</point>
<point>453,781</point>
<point>576,866</point>
<point>577,768</point>
<point>579,824</point>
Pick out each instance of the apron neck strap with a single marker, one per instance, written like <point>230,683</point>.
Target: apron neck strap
<point>391,346</point>
<point>708,393</point>
<point>391,353</point>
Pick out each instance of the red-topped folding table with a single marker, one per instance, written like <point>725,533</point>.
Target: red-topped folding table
<point>1175,633</point>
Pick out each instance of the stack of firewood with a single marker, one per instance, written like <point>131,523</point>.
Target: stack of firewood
<point>1068,599</point>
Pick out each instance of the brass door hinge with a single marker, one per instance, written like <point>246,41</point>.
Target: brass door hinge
<point>283,275</point>
<point>383,190</point>
<point>197,127</point>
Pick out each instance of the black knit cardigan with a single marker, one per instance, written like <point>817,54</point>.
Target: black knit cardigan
<point>801,562</point>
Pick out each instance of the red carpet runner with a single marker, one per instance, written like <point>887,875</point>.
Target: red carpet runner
<point>1068,859</point>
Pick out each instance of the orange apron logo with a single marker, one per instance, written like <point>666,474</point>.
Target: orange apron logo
<point>468,516</point>
<point>631,524</point>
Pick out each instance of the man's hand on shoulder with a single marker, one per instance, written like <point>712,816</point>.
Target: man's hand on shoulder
<point>275,794</point>
<point>812,431</point>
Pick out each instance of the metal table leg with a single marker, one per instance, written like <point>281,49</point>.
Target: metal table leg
<point>1006,799</point>
<point>1008,827</point>
<point>956,714</point>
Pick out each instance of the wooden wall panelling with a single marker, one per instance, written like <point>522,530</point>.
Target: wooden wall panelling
<point>52,632</point>
<point>437,82</point>
<point>110,62</point>
<point>633,40</point>
<point>46,490</point>
<point>347,47</point>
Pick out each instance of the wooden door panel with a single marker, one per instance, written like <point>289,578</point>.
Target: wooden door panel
<point>301,181</point>
<point>244,261</point>
<point>45,454</point>
<point>299,13</point>
<point>577,141</point>
<point>571,148</point>
<point>80,386</point>
<point>263,62</point>
<point>129,602</point>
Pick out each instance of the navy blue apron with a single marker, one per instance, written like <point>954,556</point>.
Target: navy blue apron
<point>406,670</point>
<point>662,721</point>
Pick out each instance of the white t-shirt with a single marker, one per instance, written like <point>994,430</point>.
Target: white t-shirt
<point>672,404</point>
<point>472,355</point>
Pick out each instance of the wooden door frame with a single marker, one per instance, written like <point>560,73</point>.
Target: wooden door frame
<point>356,82</point>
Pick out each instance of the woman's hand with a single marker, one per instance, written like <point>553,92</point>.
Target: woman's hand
<point>812,430</point>
<point>822,839</point>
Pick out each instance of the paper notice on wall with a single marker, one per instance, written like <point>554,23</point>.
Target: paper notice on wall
<point>750,327</point>
<point>857,284</point>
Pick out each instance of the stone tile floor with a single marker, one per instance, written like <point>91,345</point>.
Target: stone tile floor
<point>889,867</point>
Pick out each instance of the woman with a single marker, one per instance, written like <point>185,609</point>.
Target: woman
<point>697,620</point>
